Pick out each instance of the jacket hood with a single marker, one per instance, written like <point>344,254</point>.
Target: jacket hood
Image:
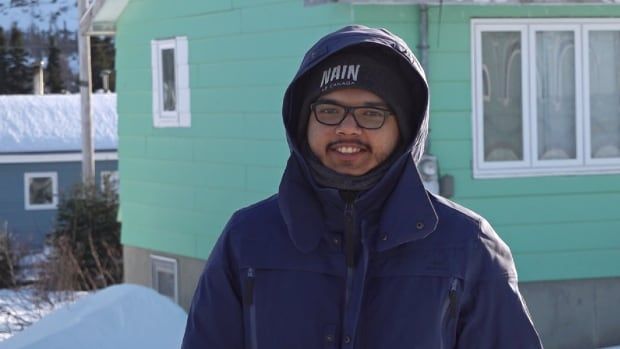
<point>350,37</point>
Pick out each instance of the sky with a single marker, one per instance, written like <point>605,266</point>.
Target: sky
<point>44,14</point>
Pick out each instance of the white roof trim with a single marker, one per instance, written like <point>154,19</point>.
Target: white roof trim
<point>101,16</point>
<point>53,157</point>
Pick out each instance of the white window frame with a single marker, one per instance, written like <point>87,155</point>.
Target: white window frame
<point>530,165</point>
<point>181,117</point>
<point>586,102</point>
<point>166,264</point>
<point>32,207</point>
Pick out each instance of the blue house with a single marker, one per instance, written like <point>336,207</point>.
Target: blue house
<point>40,157</point>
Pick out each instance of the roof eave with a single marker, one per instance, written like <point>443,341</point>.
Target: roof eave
<point>460,2</point>
<point>101,17</point>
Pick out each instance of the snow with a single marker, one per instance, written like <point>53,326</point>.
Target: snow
<point>22,306</point>
<point>30,123</point>
<point>118,317</point>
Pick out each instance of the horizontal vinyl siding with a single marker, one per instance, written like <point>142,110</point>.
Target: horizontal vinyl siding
<point>559,227</point>
<point>180,185</point>
<point>30,226</point>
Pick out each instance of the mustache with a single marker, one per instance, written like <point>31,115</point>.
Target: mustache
<point>353,141</point>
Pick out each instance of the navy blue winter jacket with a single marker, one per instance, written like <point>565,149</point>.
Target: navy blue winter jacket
<point>429,273</point>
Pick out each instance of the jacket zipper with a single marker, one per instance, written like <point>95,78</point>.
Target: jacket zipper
<point>251,276</point>
<point>452,307</point>
<point>349,249</point>
<point>349,233</point>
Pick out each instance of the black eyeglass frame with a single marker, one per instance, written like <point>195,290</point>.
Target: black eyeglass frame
<point>351,110</point>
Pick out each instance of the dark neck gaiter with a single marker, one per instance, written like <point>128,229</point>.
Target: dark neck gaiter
<point>328,178</point>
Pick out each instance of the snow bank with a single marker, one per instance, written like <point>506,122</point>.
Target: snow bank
<point>118,317</point>
<point>30,123</point>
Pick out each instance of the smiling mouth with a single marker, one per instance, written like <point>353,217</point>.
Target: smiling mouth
<point>348,150</point>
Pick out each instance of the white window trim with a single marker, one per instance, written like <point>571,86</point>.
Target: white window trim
<point>51,157</point>
<point>530,166</point>
<point>586,103</point>
<point>51,206</point>
<point>181,117</point>
<point>158,261</point>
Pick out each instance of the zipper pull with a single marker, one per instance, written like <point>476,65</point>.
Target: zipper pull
<point>453,299</point>
<point>349,232</point>
<point>249,287</point>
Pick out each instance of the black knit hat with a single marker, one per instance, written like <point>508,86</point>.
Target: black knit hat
<point>367,67</point>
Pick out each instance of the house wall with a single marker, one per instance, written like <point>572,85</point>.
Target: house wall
<point>31,226</point>
<point>559,227</point>
<point>180,185</point>
<point>563,230</point>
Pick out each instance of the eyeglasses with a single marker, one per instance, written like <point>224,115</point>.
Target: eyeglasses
<point>332,114</point>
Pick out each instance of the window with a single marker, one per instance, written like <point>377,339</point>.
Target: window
<point>545,98</point>
<point>171,94</point>
<point>111,178</point>
<point>164,271</point>
<point>41,190</point>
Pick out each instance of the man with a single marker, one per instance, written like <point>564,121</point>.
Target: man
<point>353,252</point>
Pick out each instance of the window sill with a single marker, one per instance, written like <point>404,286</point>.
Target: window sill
<point>542,172</point>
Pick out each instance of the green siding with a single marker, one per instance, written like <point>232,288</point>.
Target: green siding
<point>559,227</point>
<point>181,185</point>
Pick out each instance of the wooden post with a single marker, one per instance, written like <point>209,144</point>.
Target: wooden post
<point>88,161</point>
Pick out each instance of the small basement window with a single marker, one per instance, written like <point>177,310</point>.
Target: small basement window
<point>165,279</point>
<point>41,190</point>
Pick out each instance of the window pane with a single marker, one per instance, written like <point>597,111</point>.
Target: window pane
<point>604,52</point>
<point>168,85</point>
<point>41,191</point>
<point>165,283</point>
<point>501,75</point>
<point>555,94</point>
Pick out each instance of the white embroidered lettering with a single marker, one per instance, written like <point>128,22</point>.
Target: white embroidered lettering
<point>325,78</point>
<point>335,73</point>
<point>353,71</point>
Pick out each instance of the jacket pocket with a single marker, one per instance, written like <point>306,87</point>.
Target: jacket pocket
<point>451,312</point>
<point>250,307</point>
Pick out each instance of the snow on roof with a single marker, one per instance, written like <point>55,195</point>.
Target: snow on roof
<point>49,123</point>
<point>118,317</point>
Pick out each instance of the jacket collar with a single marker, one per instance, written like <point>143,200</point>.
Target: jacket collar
<point>300,208</point>
<point>407,212</point>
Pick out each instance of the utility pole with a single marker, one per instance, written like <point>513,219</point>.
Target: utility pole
<point>88,162</point>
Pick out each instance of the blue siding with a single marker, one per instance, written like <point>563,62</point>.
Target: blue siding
<point>30,227</point>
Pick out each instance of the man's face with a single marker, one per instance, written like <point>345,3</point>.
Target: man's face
<point>347,148</point>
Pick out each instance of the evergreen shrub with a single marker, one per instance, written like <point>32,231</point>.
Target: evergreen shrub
<point>85,244</point>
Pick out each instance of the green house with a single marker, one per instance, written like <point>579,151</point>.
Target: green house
<point>525,127</point>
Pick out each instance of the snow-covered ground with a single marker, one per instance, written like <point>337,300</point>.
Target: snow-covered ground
<point>18,308</point>
<point>118,317</point>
